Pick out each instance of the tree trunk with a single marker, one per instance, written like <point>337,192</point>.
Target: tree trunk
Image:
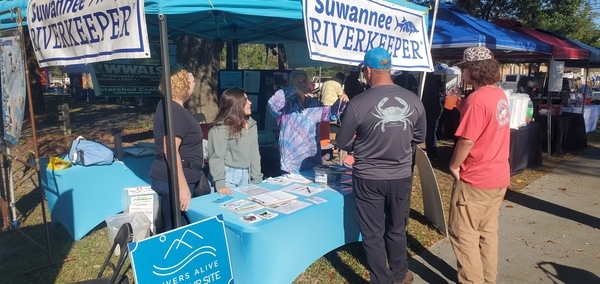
<point>203,58</point>
<point>37,94</point>
<point>281,57</point>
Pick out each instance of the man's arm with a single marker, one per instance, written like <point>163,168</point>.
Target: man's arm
<point>461,150</point>
<point>345,136</point>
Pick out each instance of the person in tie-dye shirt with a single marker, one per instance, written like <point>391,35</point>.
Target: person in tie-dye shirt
<point>299,116</point>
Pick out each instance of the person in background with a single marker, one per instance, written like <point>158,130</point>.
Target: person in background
<point>433,109</point>
<point>352,86</point>
<point>381,173</point>
<point>188,146</point>
<point>233,155</point>
<point>407,81</point>
<point>332,89</point>
<point>299,115</point>
<point>480,169</point>
<point>584,89</point>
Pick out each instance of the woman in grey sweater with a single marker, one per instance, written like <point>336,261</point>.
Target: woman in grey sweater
<point>233,156</point>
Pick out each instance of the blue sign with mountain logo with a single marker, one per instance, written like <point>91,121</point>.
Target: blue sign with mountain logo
<point>194,254</point>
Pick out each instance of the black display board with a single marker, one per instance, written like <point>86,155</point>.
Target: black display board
<point>259,85</point>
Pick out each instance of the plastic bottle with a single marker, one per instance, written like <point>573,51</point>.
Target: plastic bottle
<point>118,146</point>
<point>529,111</point>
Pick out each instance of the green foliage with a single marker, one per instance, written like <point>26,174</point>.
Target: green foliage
<point>253,56</point>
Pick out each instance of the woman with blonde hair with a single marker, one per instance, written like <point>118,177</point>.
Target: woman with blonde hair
<point>188,146</point>
<point>233,156</point>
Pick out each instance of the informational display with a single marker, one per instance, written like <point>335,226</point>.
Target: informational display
<point>230,79</point>
<point>196,253</point>
<point>556,76</point>
<point>13,86</point>
<point>86,31</point>
<point>342,31</point>
<point>131,77</point>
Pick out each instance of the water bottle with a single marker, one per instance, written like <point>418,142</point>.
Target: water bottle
<point>118,146</point>
<point>529,111</point>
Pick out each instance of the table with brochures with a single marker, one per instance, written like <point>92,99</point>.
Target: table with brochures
<point>279,249</point>
<point>80,197</point>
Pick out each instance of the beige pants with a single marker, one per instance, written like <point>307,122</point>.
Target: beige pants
<point>473,230</point>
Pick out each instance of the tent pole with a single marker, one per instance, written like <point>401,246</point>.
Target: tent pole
<point>167,106</point>
<point>548,114</point>
<point>435,11</point>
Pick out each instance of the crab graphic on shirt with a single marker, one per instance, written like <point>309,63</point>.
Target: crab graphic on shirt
<point>392,113</point>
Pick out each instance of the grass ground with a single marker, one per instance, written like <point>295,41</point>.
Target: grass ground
<point>21,261</point>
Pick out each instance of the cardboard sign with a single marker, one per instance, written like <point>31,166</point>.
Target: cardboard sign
<point>85,31</point>
<point>342,31</point>
<point>197,253</point>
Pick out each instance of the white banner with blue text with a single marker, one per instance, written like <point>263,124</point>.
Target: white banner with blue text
<point>341,31</point>
<point>66,32</point>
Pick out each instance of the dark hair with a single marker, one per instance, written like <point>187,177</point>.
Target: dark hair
<point>483,72</point>
<point>340,76</point>
<point>231,112</point>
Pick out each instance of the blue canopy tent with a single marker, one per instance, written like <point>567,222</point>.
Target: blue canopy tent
<point>456,30</point>
<point>8,20</point>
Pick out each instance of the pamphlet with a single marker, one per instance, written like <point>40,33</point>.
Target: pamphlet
<point>316,200</point>
<point>272,197</point>
<point>290,207</point>
<point>242,206</point>
<point>278,181</point>
<point>250,218</point>
<point>268,214</point>
<point>300,189</point>
<point>297,178</point>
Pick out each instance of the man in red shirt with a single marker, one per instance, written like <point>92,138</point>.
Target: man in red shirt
<point>480,168</point>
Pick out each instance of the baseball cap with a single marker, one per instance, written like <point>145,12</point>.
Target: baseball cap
<point>476,53</point>
<point>377,58</point>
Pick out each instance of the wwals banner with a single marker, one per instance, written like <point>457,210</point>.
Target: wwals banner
<point>341,31</point>
<point>65,32</point>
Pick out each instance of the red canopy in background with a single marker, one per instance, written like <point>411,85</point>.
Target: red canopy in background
<point>561,49</point>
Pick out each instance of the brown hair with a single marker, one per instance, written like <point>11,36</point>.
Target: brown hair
<point>231,112</point>
<point>483,72</point>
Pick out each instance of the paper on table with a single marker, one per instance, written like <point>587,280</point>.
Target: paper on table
<point>252,190</point>
<point>272,197</point>
<point>277,181</point>
<point>302,189</point>
<point>297,178</point>
<point>290,207</point>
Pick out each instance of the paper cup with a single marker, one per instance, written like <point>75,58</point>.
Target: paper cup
<point>451,101</point>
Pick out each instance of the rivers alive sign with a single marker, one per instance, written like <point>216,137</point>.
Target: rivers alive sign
<point>197,253</point>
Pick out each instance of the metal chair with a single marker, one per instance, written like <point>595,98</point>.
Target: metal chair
<point>124,236</point>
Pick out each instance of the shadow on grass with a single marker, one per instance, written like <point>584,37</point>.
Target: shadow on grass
<point>355,250</point>
<point>23,262</point>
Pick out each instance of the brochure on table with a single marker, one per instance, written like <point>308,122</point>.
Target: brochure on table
<point>280,195</point>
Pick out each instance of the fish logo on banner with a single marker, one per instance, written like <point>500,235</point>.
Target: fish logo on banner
<point>184,255</point>
<point>86,31</point>
<point>341,31</point>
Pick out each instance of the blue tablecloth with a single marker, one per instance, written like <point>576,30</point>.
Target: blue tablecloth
<point>80,197</point>
<point>278,250</point>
